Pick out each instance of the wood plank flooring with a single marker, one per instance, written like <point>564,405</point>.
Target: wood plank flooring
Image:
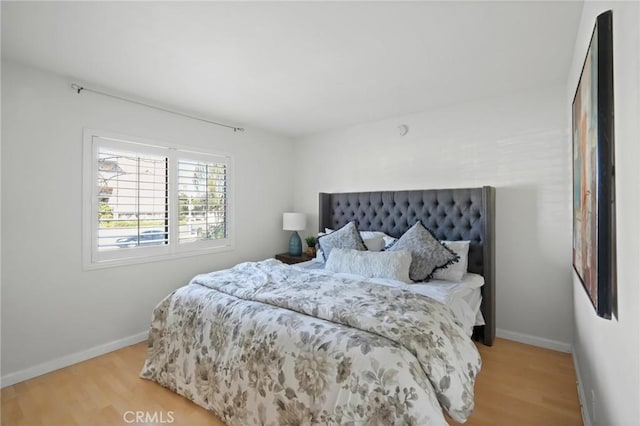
<point>518,385</point>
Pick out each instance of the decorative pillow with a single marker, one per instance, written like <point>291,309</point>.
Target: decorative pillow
<point>427,253</point>
<point>384,264</point>
<point>456,271</point>
<point>369,235</point>
<point>345,237</point>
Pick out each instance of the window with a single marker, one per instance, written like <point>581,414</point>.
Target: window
<point>144,200</point>
<point>203,198</point>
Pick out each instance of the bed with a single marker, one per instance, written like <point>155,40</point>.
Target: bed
<point>452,214</point>
<point>271,344</point>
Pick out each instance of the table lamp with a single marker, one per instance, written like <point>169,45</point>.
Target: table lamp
<point>294,222</point>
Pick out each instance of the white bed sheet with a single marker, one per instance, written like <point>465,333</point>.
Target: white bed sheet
<point>463,298</point>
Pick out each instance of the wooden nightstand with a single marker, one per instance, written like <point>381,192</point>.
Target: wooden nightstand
<point>290,260</point>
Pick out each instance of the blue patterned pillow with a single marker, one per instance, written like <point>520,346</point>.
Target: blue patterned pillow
<point>346,237</point>
<point>427,253</point>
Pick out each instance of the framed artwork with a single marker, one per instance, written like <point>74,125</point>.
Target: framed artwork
<point>594,230</point>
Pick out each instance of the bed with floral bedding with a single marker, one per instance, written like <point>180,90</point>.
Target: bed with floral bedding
<point>265,343</point>
<point>270,344</point>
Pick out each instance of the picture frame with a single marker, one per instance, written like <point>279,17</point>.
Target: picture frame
<point>594,228</point>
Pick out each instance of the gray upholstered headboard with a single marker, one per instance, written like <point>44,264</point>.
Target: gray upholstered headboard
<point>451,214</point>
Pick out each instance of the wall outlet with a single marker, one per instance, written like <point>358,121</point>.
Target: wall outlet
<point>594,419</point>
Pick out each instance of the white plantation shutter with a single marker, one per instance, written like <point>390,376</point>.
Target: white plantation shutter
<point>145,201</point>
<point>133,199</point>
<point>202,187</point>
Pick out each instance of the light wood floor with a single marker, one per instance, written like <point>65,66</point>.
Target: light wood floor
<point>518,385</point>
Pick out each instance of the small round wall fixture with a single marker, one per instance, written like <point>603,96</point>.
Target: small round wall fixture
<point>403,129</point>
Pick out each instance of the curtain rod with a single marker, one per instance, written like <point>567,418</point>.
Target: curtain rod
<point>78,88</point>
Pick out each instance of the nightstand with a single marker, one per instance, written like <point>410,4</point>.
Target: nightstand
<point>290,260</point>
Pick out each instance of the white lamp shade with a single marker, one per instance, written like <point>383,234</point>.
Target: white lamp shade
<point>294,221</point>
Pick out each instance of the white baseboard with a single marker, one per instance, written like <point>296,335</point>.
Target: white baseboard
<point>65,361</point>
<point>584,408</point>
<point>534,340</point>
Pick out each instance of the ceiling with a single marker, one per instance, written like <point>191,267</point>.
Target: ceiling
<point>298,67</point>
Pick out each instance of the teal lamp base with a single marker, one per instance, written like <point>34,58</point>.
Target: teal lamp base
<point>295,244</point>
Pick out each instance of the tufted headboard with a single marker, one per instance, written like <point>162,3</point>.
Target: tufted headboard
<point>451,214</point>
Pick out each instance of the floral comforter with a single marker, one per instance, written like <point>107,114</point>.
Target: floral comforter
<point>269,344</point>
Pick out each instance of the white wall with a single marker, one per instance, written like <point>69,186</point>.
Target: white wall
<point>608,352</point>
<point>517,144</point>
<point>51,308</point>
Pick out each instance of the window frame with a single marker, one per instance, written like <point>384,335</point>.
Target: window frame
<point>95,259</point>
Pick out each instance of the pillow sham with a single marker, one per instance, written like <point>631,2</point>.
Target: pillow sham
<point>388,239</point>
<point>456,271</point>
<point>345,237</point>
<point>367,235</point>
<point>369,238</point>
<point>427,253</point>
<point>375,243</point>
<point>469,281</point>
<point>384,264</point>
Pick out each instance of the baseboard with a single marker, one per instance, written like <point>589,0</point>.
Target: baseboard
<point>584,408</point>
<point>534,340</point>
<point>65,361</point>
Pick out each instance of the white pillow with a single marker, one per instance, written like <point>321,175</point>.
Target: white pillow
<point>385,264</point>
<point>456,271</point>
<point>469,281</point>
<point>375,243</point>
<point>366,235</point>
<point>388,239</point>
